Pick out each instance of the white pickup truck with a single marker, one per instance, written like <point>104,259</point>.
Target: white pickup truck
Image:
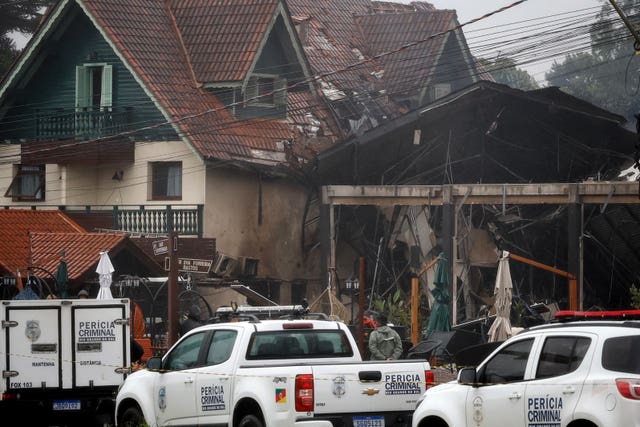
<point>271,373</point>
<point>62,360</point>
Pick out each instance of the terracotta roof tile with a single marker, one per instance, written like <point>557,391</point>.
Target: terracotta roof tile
<point>82,250</point>
<point>144,33</point>
<point>222,37</point>
<point>15,225</point>
<point>410,67</point>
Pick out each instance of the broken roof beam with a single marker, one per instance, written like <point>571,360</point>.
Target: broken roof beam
<point>618,192</point>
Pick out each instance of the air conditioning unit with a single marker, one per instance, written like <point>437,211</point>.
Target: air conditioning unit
<point>247,266</point>
<point>223,265</point>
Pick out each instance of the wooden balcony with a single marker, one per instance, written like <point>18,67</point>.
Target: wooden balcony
<point>57,124</point>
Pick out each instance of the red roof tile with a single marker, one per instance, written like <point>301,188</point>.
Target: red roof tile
<point>222,37</point>
<point>82,250</point>
<point>407,68</point>
<point>15,226</point>
<point>144,33</point>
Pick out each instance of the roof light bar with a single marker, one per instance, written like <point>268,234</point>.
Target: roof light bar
<point>565,315</point>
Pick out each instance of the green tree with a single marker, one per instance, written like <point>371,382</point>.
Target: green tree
<point>505,71</point>
<point>609,75</point>
<point>17,16</point>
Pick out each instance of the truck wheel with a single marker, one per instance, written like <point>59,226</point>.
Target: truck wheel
<point>131,417</point>
<point>251,421</point>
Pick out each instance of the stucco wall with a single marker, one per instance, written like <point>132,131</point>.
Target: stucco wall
<point>232,216</point>
<point>96,186</point>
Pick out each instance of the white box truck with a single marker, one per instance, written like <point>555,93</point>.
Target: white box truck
<point>62,361</point>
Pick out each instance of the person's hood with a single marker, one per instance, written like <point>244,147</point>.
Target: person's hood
<point>385,329</point>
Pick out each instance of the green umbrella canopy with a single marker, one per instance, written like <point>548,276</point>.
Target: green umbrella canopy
<point>439,318</point>
<point>62,276</point>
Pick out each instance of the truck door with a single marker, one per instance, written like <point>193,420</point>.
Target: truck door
<point>500,399</point>
<point>553,393</point>
<point>174,391</point>
<point>100,345</point>
<point>214,384</point>
<point>33,348</point>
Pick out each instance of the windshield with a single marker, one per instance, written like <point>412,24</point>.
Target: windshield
<point>292,344</point>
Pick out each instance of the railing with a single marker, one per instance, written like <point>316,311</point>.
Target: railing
<point>89,123</point>
<point>159,221</point>
<point>144,220</point>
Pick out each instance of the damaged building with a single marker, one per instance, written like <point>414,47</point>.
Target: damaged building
<point>488,134</point>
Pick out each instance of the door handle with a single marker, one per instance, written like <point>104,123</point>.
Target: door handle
<point>569,390</point>
<point>188,380</point>
<point>515,395</point>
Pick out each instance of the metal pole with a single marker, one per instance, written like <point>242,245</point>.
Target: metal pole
<point>362,287</point>
<point>628,23</point>
<point>172,290</point>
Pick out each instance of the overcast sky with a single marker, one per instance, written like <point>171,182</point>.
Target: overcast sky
<point>536,10</point>
<point>544,10</point>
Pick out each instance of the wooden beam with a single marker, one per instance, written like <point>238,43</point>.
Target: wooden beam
<point>610,192</point>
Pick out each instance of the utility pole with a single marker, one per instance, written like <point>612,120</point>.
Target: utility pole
<point>629,25</point>
<point>172,290</point>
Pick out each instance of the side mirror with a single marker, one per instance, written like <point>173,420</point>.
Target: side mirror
<point>466,376</point>
<point>154,364</point>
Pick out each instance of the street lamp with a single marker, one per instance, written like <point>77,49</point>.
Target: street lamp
<point>352,284</point>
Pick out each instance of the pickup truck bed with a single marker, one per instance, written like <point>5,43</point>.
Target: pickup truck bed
<point>272,373</point>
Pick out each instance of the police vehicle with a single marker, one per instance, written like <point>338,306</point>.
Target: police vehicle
<point>302,370</point>
<point>581,371</point>
<point>62,360</point>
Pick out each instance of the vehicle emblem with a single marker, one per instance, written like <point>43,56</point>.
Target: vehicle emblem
<point>279,380</point>
<point>339,386</point>
<point>477,410</point>
<point>370,391</point>
<point>32,330</point>
<point>162,398</point>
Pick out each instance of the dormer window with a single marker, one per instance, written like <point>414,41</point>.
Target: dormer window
<point>266,90</point>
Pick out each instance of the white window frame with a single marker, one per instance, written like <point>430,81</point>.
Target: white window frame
<point>28,183</point>
<point>84,88</point>
<point>279,96</point>
<point>172,183</point>
<point>440,90</point>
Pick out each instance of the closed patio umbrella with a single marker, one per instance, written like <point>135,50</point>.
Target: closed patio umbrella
<point>503,291</point>
<point>439,318</point>
<point>105,269</point>
<point>62,276</point>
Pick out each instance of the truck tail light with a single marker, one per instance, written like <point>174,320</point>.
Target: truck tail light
<point>430,379</point>
<point>9,396</point>
<point>304,393</point>
<point>629,387</point>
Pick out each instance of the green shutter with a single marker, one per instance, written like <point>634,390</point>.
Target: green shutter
<point>82,88</point>
<point>280,91</point>
<point>252,89</point>
<point>106,95</point>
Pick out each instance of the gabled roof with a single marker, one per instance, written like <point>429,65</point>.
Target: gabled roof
<point>81,250</point>
<point>223,37</point>
<point>407,68</point>
<point>15,226</point>
<point>144,34</point>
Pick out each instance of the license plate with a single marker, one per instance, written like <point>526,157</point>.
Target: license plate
<point>373,421</point>
<point>66,405</point>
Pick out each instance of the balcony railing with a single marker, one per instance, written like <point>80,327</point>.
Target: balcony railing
<point>143,220</point>
<point>89,123</point>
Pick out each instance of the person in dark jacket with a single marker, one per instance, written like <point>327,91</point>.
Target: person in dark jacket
<point>192,320</point>
<point>384,342</point>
